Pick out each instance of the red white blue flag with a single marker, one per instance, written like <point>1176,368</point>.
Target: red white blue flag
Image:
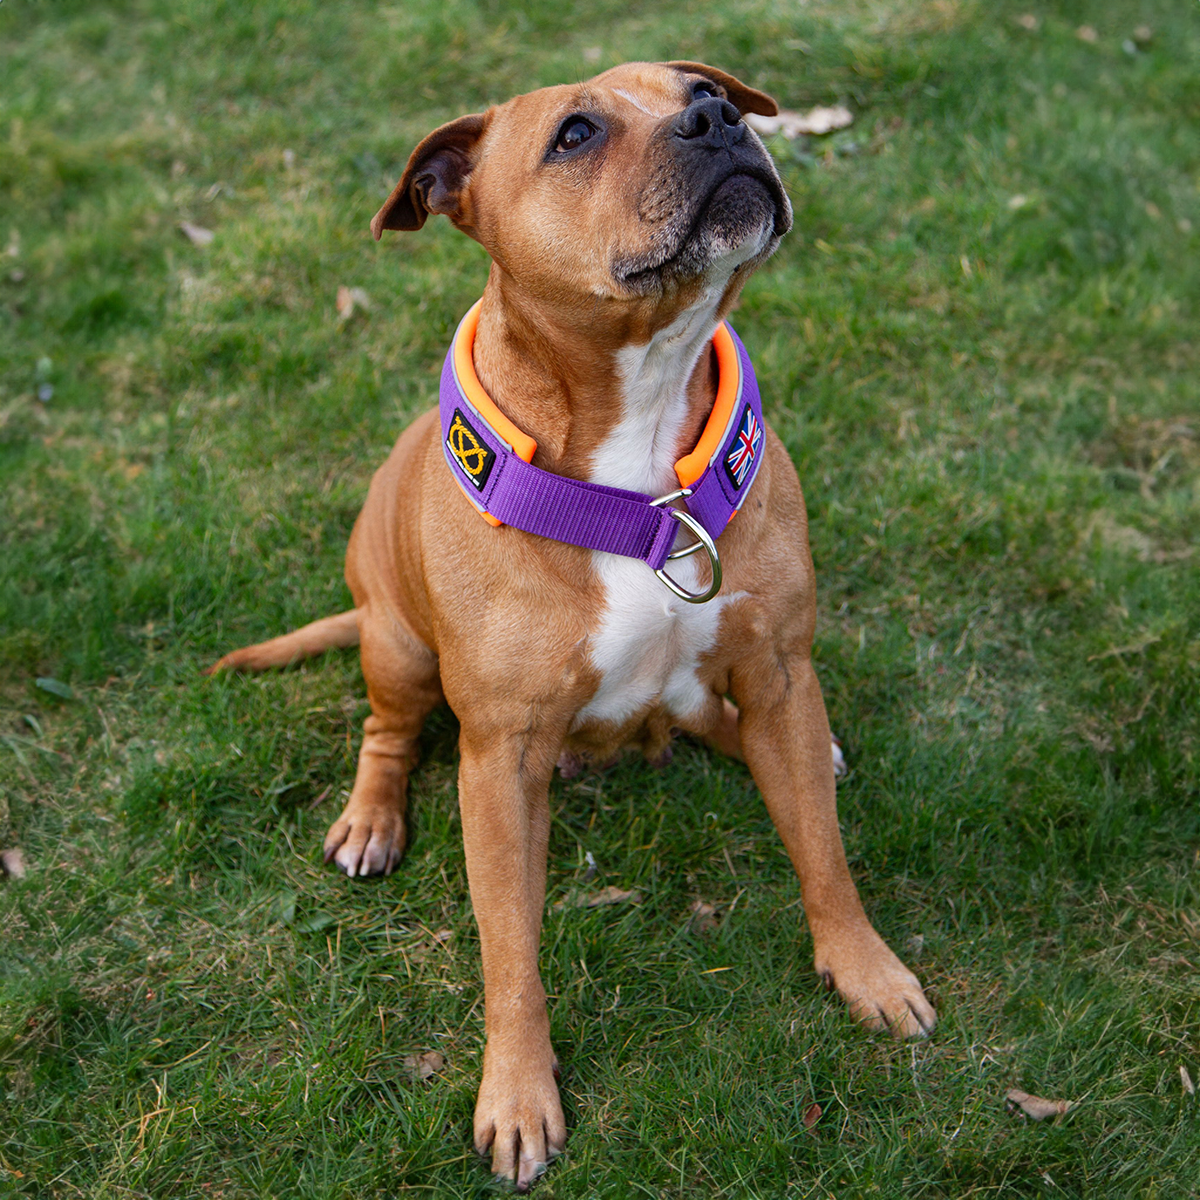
<point>745,448</point>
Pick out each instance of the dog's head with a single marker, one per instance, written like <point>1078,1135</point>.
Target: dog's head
<point>642,184</point>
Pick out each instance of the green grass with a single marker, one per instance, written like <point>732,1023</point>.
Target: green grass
<point>995,412</point>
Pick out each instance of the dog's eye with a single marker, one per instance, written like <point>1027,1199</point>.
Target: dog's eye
<point>705,89</point>
<point>574,132</point>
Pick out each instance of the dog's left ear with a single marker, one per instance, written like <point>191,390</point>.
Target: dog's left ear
<point>745,99</point>
<point>435,179</point>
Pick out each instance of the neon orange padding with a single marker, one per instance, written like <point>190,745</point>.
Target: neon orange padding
<point>691,466</point>
<point>464,366</point>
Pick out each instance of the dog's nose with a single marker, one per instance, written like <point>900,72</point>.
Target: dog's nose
<point>709,120</point>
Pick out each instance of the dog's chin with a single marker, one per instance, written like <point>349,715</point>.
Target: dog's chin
<point>740,222</point>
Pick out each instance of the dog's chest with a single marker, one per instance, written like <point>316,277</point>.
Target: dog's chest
<point>648,644</point>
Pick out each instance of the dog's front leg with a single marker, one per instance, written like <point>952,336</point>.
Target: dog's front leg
<point>785,737</point>
<point>503,795</point>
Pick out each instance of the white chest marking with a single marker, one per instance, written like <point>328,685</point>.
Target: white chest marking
<point>649,642</point>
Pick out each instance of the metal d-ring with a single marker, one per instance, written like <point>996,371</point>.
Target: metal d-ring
<point>704,543</point>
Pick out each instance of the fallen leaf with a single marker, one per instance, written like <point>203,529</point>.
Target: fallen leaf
<point>1028,21</point>
<point>1037,1107</point>
<point>350,298</point>
<point>592,54</point>
<point>812,1114</point>
<point>1017,201</point>
<point>1186,1080</point>
<point>196,234</point>
<point>424,1066</point>
<point>704,917</point>
<point>1087,33</point>
<point>608,895</point>
<point>315,923</point>
<point>55,687</point>
<point>1142,34</point>
<point>443,936</point>
<point>915,945</point>
<point>817,121</point>
<point>12,862</point>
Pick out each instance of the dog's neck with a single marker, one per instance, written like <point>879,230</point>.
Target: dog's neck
<point>608,399</point>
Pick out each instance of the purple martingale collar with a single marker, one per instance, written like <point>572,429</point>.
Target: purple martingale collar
<point>490,459</point>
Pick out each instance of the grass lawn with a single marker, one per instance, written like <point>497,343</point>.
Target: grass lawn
<point>980,345</point>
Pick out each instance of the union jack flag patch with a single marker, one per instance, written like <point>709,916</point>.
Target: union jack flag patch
<point>746,445</point>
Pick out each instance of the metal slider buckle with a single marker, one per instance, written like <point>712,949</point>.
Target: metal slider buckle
<point>705,543</point>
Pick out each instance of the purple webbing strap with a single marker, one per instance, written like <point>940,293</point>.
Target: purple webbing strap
<point>516,493</point>
<point>581,513</point>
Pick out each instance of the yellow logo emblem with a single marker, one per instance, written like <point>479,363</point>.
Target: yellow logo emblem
<point>472,455</point>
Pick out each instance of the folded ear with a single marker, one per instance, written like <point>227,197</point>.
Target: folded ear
<point>746,99</point>
<point>435,179</point>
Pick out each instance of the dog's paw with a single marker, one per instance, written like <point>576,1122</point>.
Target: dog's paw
<point>518,1117</point>
<point>366,839</point>
<point>878,988</point>
<point>839,759</point>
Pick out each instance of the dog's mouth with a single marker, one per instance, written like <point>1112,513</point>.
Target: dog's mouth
<point>744,206</point>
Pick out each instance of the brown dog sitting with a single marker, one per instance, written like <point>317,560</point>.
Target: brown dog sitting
<point>622,215</point>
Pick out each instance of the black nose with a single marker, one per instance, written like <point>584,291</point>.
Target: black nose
<point>709,121</point>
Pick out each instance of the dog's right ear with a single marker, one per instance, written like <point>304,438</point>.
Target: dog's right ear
<point>435,179</point>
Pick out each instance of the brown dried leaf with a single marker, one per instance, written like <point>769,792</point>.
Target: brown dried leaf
<point>1037,1107</point>
<point>1186,1080</point>
<point>350,298</point>
<point>608,895</point>
<point>12,862</point>
<point>196,234</point>
<point>1087,33</point>
<point>424,1066</point>
<point>1028,21</point>
<point>704,917</point>
<point>812,1114</point>
<point>816,121</point>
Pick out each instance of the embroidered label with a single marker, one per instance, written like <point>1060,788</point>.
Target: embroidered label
<point>745,449</point>
<point>470,451</point>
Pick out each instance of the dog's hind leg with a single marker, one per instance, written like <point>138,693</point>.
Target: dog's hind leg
<point>329,633</point>
<point>725,739</point>
<point>403,687</point>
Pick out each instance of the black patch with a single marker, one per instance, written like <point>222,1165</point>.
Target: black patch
<point>473,455</point>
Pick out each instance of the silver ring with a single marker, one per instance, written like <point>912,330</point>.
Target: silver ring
<point>704,543</point>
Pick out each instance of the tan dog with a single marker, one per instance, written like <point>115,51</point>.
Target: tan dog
<point>623,216</point>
